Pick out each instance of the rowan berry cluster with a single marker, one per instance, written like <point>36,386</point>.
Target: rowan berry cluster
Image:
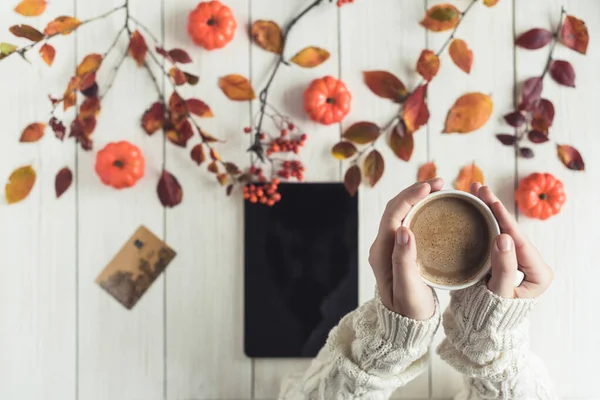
<point>263,193</point>
<point>293,169</point>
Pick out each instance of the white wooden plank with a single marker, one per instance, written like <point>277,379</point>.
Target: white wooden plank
<point>37,236</point>
<point>562,331</point>
<point>120,351</point>
<point>489,36</point>
<point>205,357</point>
<point>319,28</point>
<point>392,42</point>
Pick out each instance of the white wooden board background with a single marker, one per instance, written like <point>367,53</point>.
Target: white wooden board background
<point>62,337</point>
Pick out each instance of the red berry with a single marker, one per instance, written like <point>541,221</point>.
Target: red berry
<point>261,136</point>
<point>253,199</point>
<point>247,129</point>
<point>284,132</point>
<point>303,137</point>
<point>275,181</point>
<point>276,196</point>
<point>270,203</point>
<point>291,126</point>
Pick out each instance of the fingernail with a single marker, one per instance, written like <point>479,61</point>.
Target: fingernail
<point>504,243</point>
<point>402,236</point>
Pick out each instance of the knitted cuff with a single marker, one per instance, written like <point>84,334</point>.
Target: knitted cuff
<point>407,332</point>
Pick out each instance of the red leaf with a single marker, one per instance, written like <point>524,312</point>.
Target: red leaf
<point>63,181</point>
<point>373,167</point>
<point>574,34</point>
<point>416,113</point>
<point>163,53</point>
<point>534,39</point>
<point>352,180</point>
<point>213,167</point>
<point>197,154</point>
<point>76,129</point>
<point>530,93</point>
<point>441,17</point>
<point>229,189</point>
<point>537,137</point>
<point>461,55</point>
<point>177,76</point>
<point>506,139</point>
<point>181,134</point>
<point>526,152</point>
<point>154,118</point>
<point>58,128</point>
<point>385,84</point>
<point>33,132</point>
<point>214,155</point>
<point>89,108</point>
<point>138,48</point>
<point>543,115</point>
<point>169,190</point>
<point>47,53</point>
<point>177,109</point>
<point>426,172</point>
<point>562,72</point>
<point>198,107</point>
<point>27,32</point>
<point>428,64</point>
<point>232,169</point>
<point>570,157</point>
<point>401,142</point>
<point>515,119</point>
<point>362,132</point>
<point>180,56</point>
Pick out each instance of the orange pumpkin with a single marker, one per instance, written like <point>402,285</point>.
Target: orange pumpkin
<point>211,25</point>
<point>327,100</point>
<point>120,165</point>
<point>540,196</point>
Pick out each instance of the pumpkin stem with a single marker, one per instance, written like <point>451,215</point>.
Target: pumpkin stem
<point>211,21</point>
<point>118,164</point>
<point>543,196</point>
<point>330,100</point>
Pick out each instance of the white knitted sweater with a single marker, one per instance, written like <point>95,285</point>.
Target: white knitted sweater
<point>373,351</point>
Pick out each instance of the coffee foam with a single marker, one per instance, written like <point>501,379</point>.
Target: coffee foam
<point>453,240</point>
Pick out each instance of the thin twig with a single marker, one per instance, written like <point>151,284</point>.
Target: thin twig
<point>115,72</point>
<point>554,42</point>
<point>145,28</point>
<point>154,81</point>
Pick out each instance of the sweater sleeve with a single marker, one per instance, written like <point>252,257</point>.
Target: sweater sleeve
<point>487,341</point>
<point>368,355</point>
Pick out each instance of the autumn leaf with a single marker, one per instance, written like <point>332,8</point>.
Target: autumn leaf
<point>514,119</point>
<point>428,65</point>
<point>47,53</point>
<point>169,190</point>
<point>62,25</point>
<point>506,139</point>
<point>531,92</point>
<point>198,108</point>
<point>416,113</point>
<point>426,172</point>
<point>209,138</point>
<point>232,169</point>
<point>362,132</point>
<point>343,150</point>
<point>543,115</point>
<point>31,8</point>
<point>214,155</point>
<point>138,48</point>
<point>267,35</point>
<point>402,142</point>
<point>90,64</point>
<point>191,79</point>
<point>58,128</point>
<point>352,180</point>
<point>229,189</point>
<point>154,118</point>
<point>27,32</point>
<point>490,3</point>
<point>213,167</point>
<point>236,87</point>
<point>461,55</point>
<point>570,157</point>
<point>441,17</point>
<point>90,108</point>
<point>181,134</point>
<point>534,39</point>
<point>63,181</point>
<point>88,85</point>
<point>197,154</point>
<point>177,76</point>
<point>526,152</point>
<point>385,84</point>
<point>536,136</point>
<point>222,179</point>
<point>19,184</point>
<point>33,132</point>
<point>180,56</point>
<point>6,49</point>
<point>310,57</point>
<point>373,167</point>
<point>468,175</point>
<point>177,108</point>
<point>562,72</point>
<point>469,113</point>
<point>574,34</point>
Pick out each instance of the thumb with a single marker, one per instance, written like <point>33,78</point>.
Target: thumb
<point>504,267</point>
<point>404,258</point>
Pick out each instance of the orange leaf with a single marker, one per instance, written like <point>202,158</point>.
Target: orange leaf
<point>570,157</point>
<point>426,172</point>
<point>416,113</point>
<point>468,175</point>
<point>199,108</point>
<point>69,100</point>
<point>62,25</point>
<point>385,84</point>
<point>402,142</point>
<point>27,32</point>
<point>373,167</point>
<point>461,55</point>
<point>138,48</point>
<point>574,34</point>
<point>214,155</point>
<point>33,132</point>
<point>222,178</point>
<point>90,64</point>
<point>31,8</point>
<point>490,3</point>
<point>310,57</point>
<point>352,179</point>
<point>177,76</point>
<point>209,138</point>
<point>19,184</point>
<point>428,64</point>
<point>169,190</point>
<point>470,112</point>
<point>47,53</point>
<point>267,35</point>
<point>213,167</point>
<point>362,132</point>
<point>90,108</point>
<point>197,154</point>
<point>343,150</point>
<point>441,17</point>
<point>63,181</point>
<point>154,118</point>
<point>236,87</point>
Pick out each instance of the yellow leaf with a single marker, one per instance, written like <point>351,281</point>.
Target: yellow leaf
<point>267,35</point>
<point>236,87</point>
<point>490,3</point>
<point>470,112</point>
<point>343,150</point>
<point>461,55</point>
<point>63,25</point>
<point>31,8</point>
<point>310,57</point>
<point>19,184</point>
<point>91,63</point>
<point>468,175</point>
<point>6,49</point>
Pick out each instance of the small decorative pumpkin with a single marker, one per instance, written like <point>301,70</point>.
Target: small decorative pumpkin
<point>327,100</point>
<point>211,25</point>
<point>120,165</point>
<point>540,196</point>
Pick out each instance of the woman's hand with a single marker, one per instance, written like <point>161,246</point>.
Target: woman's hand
<point>511,251</point>
<point>393,256</point>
